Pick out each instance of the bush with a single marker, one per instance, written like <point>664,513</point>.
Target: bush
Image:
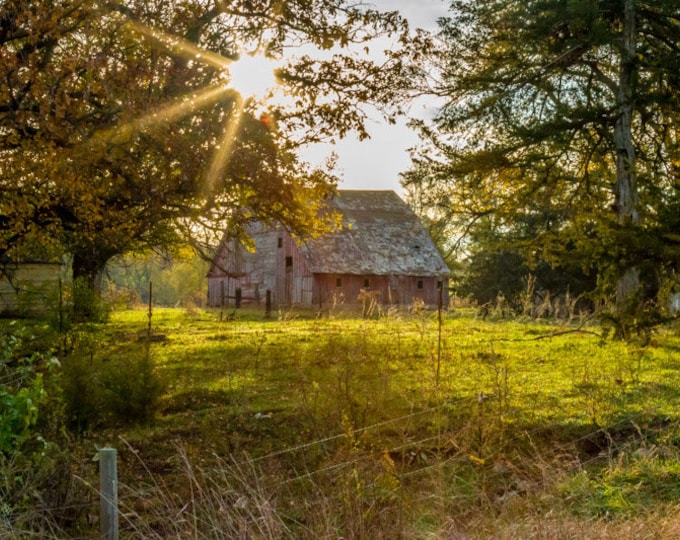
<point>88,304</point>
<point>131,389</point>
<point>32,460</point>
<point>81,395</point>
<point>118,390</point>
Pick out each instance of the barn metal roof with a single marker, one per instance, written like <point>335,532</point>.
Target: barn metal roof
<point>381,235</point>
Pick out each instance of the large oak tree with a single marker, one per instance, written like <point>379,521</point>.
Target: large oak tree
<point>563,113</point>
<point>119,131</point>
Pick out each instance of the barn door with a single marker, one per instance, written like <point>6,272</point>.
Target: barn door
<point>307,288</point>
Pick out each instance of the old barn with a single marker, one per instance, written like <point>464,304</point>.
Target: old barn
<point>382,251</point>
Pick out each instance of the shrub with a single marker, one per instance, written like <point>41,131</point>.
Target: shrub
<point>88,304</point>
<point>32,465</point>
<point>83,407</point>
<point>131,389</point>
<point>117,390</point>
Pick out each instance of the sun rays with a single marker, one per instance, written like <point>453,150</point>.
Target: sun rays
<point>223,150</point>
<point>249,79</point>
<point>184,106</point>
<point>182,47</point>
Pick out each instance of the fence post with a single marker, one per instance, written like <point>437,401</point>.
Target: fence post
<point>237,298</point>
<point>149,313</point>
<point>61,307</point>
<point>268,304</point>
<point>108,490</point>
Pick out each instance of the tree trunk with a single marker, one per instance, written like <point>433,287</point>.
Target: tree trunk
<point>87,267</point>
<point>625,190</point>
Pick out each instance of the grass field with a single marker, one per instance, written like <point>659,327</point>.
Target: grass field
<point>395,427</point>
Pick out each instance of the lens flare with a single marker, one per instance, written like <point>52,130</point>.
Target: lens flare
<point>253,76</point>
<point>171,112</point>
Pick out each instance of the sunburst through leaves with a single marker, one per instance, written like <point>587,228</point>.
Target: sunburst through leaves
<point>252,77</point>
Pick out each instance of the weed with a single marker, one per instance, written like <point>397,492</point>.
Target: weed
<point>131,389</point>
<point>33,468</point>
<point>349,427</point>
<point>102,388</point>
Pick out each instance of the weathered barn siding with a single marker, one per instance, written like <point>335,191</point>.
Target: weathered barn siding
<point>382,249</point>
<point>392,290</point>
<point>429,289</point>
<point>226,277</point>
<point>236,267</point>
<point>277,264</point>
<point>29,287</point>
<point>294,281</point>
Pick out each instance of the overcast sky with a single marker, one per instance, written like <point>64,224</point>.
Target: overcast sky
<point>376,163</point>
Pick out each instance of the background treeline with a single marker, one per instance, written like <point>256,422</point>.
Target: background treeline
<point>175,281</point>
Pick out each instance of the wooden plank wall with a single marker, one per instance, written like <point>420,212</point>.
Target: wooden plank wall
<point>294,281</point>
<point>34,288</point>
<point>390,290</point>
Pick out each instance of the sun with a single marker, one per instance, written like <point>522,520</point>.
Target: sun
<point>253,75</point>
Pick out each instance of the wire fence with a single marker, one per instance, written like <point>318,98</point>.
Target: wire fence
<point>358,431</point>
<point>461,455</point>
<point>13,379</point>
<point>448,448</point>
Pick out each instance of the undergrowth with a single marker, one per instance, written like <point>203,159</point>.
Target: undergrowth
<point>387,427</point>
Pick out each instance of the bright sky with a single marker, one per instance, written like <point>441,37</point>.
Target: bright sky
<point>377,162</point>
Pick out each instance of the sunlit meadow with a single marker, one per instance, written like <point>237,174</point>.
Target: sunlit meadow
<point>312,425</point>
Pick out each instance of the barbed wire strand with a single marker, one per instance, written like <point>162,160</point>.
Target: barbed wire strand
<point>489,455</point>
<point>353,432</point>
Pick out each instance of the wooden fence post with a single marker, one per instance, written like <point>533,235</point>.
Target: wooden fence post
<point>61,307</point>
<point>108,493</point>
<point>149,313</point>
<point>237,298</point>
<point>268,304</point>
<point>440,324</point>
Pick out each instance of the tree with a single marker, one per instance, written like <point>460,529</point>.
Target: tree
<point>118,131</point>
<point>177,281</point>
<point>564,110</point>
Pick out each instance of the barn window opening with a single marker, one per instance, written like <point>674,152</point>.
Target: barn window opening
<point>367,283</point>
<point>280,243</point>
<point>289,262</point>
<point>338,282</point>
<point>439,284</point>
<point>420,284</point>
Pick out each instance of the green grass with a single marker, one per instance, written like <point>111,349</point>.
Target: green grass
<point>366,428</point>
